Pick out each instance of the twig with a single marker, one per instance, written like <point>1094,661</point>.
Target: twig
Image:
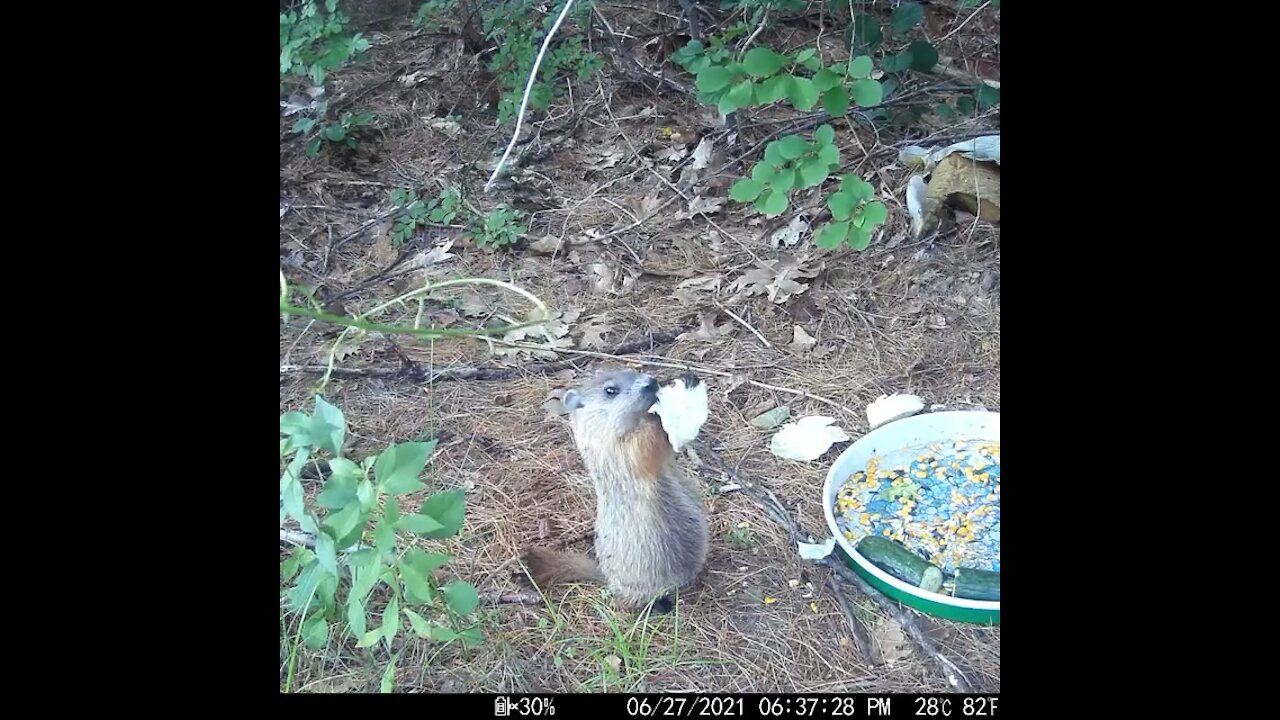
<point>308,540</point>
<point>494,598</point>
<point>957,28</point>
<point>860,636</point>
<point>661,337</point>
<point>777,512</point>
<point>524,102</point>
<point>744,324</point>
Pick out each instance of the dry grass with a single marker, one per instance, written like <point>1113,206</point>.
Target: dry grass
<point>904,316</point>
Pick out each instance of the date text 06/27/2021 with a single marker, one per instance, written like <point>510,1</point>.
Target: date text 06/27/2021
<point>758,706</point>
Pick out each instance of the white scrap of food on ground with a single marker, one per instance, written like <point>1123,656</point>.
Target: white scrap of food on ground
<point>807,438</point>
<point>812,551</point>
<point>683,411</point>
<point>888,408</point>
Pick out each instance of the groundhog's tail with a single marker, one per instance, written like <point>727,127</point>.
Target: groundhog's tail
<point>548,568</point>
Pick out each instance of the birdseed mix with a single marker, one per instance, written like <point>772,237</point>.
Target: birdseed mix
<point>944,505</point>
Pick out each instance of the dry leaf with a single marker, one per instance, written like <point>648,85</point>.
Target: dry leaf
<point>893,642</point>
<point>605,160</point>
<point>801,341</point>
<point>436,255</point>
<point>789,234</point>
<point>614,662</point>
<point>473,303</point>
<point>446,126</point>
<point>702,154</point>
<point>593,331</point>
<point>771,419</point>
<point>777,279</point>
<point>699,205</point>
<point>708,330</point>
<point>547,245</point>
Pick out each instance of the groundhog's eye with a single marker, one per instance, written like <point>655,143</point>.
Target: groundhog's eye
<point>611,391</point>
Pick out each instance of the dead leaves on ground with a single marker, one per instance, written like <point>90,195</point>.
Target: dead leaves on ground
<point>779,280</point>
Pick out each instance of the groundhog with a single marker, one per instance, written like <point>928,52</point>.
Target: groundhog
<point>651,528</point>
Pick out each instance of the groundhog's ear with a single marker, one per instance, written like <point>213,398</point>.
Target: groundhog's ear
<point>572,400</point>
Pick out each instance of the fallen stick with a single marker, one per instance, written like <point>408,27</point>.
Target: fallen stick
<point>776,511</point>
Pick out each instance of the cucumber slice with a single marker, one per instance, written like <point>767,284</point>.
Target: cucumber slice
<point>977,584</point>
<point>900,562</point>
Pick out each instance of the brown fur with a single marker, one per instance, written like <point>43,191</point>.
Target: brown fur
<point>651,528</point>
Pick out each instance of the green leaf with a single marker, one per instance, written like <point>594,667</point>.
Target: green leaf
<point>965,105</point>
<point>792,147</point>
<point>391,620</point>
<point>906,16</point>
<point>785,180</point>
<point>987,96</point>
<point>426,562</point>
<point>865,34</point>
<point>813,172</point>
<point>399,466</point>
<point>835,102</point>
<point>772,90</point>
<point>297,425</point>
<point>762,173</point>
<point>714,78</point>
<point>440,633</point>
<point>391,510</point>
<point>739,96</point>
<point>805,54</point>
<point>860,238</point>
<point>860,67</point>
<point>461,596</point>
<point>746,190</point>
<point>389,677</point>
<point>832,235</point>
<point>923,55</point>
<point>420,626</point>
<point>366,568</point>
<point>813,64</point>
<point>897,63</point>
<point>773,154</point>
<point>327,553</point>
<point>292,499</point>
<point>313,147</point>
<point>825,79</point>
<point>417,589</point>
<point>875,214</point>
<point>420,524</point>
<point>366,494</point>
<point>829,155</point>
<point>370,638</point>
<point>335,132</point>
<point>339,491</point>
<point>329,427</point>
<point>356,619</point>
<point>471,637</point>
<point>315,632</point>
<point>384,537</point>
<point>763,62</point>
<point>802,94</point>
<point>772,203</point>
<point>867,93</point>
<point>944,111</point>
<point>345,525</point>
<point>842,205</point>
<point>824,135</point>
<point>858,188</point>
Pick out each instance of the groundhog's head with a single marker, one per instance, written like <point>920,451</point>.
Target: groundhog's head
<point>612,402</point>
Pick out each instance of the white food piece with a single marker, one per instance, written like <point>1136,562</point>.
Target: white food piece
<point>807,438</point>
<point>888,408</point>
<point>683,410</point>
